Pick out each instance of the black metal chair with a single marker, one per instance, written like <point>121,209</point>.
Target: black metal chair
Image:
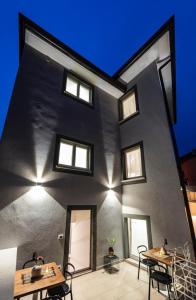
<point>160,277</point>
<point>149,263</point>
<point>34,260</point>
<point>65,288</point>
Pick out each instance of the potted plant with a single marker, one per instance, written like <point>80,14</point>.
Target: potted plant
<point>111,243</point>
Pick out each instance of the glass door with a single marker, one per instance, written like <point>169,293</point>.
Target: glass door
<point>80,239</point>
<point>137,233</point>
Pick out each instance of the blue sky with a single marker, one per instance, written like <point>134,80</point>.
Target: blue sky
<point>108,33</point>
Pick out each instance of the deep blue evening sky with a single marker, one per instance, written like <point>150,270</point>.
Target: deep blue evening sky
<point>108,33</point>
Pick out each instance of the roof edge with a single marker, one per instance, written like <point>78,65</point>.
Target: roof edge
<point>26,23</point>
<point>168,25</point>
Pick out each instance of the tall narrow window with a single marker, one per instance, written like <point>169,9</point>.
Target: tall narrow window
<point>78,88</point>
<point>71,155</point>
<point>128,105</point>
<point>133,162</point>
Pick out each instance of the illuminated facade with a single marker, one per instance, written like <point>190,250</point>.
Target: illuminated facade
<point>77,139</point>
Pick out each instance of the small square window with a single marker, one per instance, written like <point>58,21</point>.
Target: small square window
<point>81,160</point>
<point>133,162</point>
<point>78,88</point>
<point>71,86</point>
<point>84,93</point>
<point>65,154</point>
<point>128,105</point>
<point>71,155</point>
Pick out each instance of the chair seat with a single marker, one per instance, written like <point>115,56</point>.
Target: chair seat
<point>149,262</point>
<point>60,290</point>
<point>161,277</point>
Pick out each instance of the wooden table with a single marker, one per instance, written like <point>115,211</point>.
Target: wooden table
<point>22,289</point>
<point>153,254</point>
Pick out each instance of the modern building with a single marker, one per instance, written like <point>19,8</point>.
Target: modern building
<point>88,160</point>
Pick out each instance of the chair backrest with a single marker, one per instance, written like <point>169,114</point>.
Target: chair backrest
<point>70,268</point>
<point>34,260</point>
<point>141,248</point>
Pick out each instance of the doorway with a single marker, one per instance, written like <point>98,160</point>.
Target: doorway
<point>80,237</point>
<point>137,231</point>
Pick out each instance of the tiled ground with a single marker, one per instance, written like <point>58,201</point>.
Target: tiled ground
<point>123,285</point>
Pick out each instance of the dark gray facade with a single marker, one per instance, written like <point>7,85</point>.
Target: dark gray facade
<point>39,110</point>
<point>160,197</point>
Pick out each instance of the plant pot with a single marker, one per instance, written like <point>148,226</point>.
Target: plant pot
<point>110,251</point>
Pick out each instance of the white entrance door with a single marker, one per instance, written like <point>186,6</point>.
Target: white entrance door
<point>80,233</point>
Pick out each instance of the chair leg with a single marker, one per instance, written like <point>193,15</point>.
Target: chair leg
<point>158,286</point>
<point>71,296</point>
<point>138,274</point>
<point>168,289</point>
<point>149,287</point>
<point>152,284</point>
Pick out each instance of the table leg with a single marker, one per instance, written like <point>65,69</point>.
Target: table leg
<point>41,295</point>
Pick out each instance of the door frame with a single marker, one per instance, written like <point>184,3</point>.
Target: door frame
<point>126,233</point>
<point>93,234</point>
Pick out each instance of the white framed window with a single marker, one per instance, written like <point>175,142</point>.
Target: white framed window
<point>133,162</point>
<point>71,86</point>
<point>128,105</point>
<point>78,88</point>
<point>72,155</point>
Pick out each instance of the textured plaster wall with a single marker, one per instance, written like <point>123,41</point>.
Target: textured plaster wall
<point>160,197</point>
<point>32,219</point>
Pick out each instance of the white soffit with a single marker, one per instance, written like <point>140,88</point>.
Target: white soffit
<point>47,49</point>
<point>158,51</point>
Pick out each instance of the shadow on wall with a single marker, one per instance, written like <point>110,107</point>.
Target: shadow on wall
<point>32,223</point>
<point>26,156</point>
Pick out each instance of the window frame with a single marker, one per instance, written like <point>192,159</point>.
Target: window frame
<point>133,89</point>
<point>80,81</point>
<point>136,179</point>
<point>72,169</point>
<point>126,233</point>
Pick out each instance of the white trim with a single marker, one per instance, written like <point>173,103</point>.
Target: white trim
<point>47,49</point>
<point>158,51</point>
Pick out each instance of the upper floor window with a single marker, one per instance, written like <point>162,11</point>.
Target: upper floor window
<point>72,155</point>
<point>133,162</point>
<point>78,88</point>
<point>128,105</point>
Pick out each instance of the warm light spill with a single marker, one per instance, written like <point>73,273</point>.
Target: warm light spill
<point>37,192</point>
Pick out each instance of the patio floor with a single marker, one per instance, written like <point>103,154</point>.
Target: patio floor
<point>123,285</point>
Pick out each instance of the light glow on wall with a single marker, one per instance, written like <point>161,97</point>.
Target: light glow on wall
<point>111,197</point>
<point>110,194</point>
<point>37,191</point>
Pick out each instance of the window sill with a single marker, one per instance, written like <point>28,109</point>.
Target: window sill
<point>74,171</point>
<point>129,118</point>
<point>141,179</point>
